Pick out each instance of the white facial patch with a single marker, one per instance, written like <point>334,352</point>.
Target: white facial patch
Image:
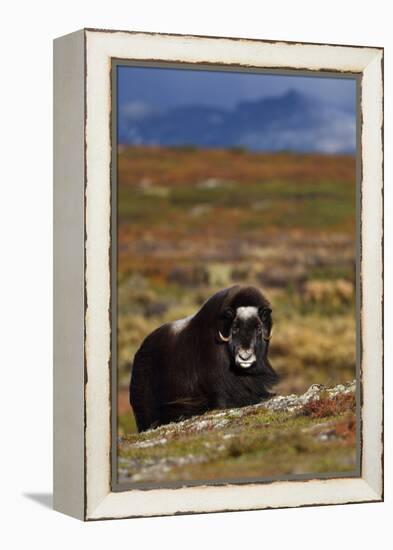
<point>180,324</point>
<point>244,358</point>
<point>245,313</point>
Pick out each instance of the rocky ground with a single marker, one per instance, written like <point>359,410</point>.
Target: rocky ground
<point>311,433</point>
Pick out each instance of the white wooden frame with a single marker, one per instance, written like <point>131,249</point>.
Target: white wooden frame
<point>82,400</point>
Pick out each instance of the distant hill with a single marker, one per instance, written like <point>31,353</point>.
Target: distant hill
<point>291,122</point>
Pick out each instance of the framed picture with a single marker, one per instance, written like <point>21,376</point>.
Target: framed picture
<point>218,271</point>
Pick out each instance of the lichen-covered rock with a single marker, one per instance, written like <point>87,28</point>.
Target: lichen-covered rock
<point>280,436</point>
<point>293,403</point>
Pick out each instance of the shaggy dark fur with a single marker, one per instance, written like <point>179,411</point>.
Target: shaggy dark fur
<point>182,372</point>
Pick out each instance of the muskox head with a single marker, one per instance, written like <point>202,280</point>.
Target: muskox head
<point>246,330</point>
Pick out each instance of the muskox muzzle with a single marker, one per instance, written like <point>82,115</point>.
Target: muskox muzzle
<point>245,358</point>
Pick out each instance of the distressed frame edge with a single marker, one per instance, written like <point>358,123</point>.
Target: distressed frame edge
<point>375,493</point>
<point>360,493</point>
<point>236,38</point>
<point>372,269</point>
<point>68,274</point>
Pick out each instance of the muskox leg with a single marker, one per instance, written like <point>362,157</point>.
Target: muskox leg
<point>217,401</point>
<point>142,398</point>
<point>146,416</point>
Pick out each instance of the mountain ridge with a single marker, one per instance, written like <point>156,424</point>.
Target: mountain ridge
<point>292,121</point>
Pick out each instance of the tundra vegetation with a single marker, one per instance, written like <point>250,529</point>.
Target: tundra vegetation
<point>314,433</point>
<point>192,221</point>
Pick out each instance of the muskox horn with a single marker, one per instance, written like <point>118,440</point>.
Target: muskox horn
<point>223,337</point>
<point>267,338</point>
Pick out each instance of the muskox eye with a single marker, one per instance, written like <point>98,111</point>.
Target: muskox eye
<point>228,314</point>
<point>264,313</point>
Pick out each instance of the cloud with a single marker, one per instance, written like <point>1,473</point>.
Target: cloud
<point>137,110</point>
<point>291,121</point>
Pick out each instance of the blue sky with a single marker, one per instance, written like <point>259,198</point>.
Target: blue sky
<point>321,119</point>
<point>167,88</point>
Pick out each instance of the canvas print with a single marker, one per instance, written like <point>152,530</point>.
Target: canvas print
<point>236,276</point>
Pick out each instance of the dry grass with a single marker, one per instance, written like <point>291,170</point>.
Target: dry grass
<point>177,166</point>
<point>330,406</point>
<point>313,349</point>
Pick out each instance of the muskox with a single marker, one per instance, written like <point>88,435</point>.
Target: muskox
<point>215,359</point>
